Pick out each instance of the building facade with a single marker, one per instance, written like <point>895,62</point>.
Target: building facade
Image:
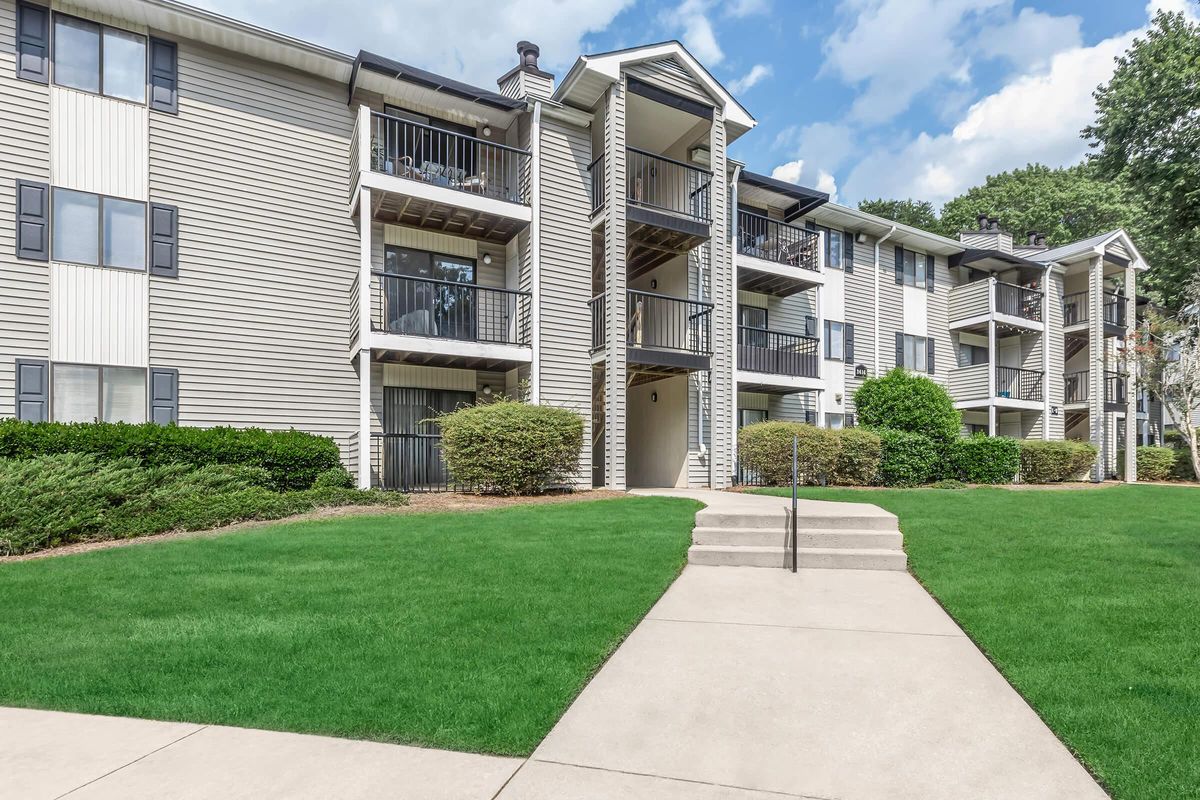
<point>206,223</point>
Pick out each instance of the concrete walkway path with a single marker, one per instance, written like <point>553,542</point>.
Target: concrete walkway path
<point>742,683</point>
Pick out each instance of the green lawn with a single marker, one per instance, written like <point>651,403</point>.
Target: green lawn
<point>470,631</point>
<point>1088,601</point>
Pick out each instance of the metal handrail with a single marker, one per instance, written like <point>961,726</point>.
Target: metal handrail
<point>1019,301</point>
<point>662,322</point>
<point>1019,384</point>
<point>430,307</point>
<point>1076,387</point>
<point>1077,308</point>
<point>596,174</point>
<point>772,240</point>
<point>682,189</point>
<point>777,352</point>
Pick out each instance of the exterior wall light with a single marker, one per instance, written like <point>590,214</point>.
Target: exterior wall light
<point>654,397</point>
<point>487,258</point>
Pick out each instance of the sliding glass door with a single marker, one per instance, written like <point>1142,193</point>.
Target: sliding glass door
<point>432,294</point>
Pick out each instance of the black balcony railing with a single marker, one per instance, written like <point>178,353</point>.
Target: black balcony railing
<point>1019,384</point>
<point>410,462</point>
<point>661,322</point>
<point>599,306</point>
<point>663,184</point>
<point>453,160</point>
<point>1115,387</point>
<point>771,240</point>
<point>1076,309</point>
<point>1018,301</point>
<point>1076,387</point>
<point>596,179</point>
<point>448,310</point>
<point>778,353</point>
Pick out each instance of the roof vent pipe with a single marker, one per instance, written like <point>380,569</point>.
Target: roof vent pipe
<point>529,53</point>
<point>982,219</point>
<point>1032,238</point>
<point>993,223</point>
<point>1040,240</point>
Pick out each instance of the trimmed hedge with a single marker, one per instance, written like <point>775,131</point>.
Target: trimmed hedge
<point>765,448</point>
<point>859,457</point>
<point>71,497</point>
<point>508,447</point>
<point>1153,463</point>
<point>1056,461</point>
<point>292,458</point>
<point>909,459</point>
<point>901,401</point>
<point>985,459</point>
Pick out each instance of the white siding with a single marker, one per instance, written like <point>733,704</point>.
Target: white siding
<point>256,322</point>
<point>98,316</point>
<point>98,144</point>
<point>24,154</point>
<point>669,74</point>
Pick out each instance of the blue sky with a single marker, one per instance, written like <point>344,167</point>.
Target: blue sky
<point>862,98</point>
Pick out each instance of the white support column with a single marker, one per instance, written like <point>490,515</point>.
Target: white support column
<point>1131,392</point>
<point>993,356</point>
<point>535,254</point>
<point>1097,362</point>
<point>365,445</point>
<point>1046,343</point>
<point>819,303</point>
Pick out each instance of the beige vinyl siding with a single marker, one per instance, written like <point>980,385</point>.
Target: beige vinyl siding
<point>944,356</point>
<point>256,321</point>
<point>724,293</point>
<point>1055,342</point>
<point>891,307</point>
<point>615,368</point>
<point>967,300</point>
<point>566,275</point>
<point>24,154</point>
<point>969,383</point>
<point>98,144</point>
<point>858,299</point>
<point>670,75</point>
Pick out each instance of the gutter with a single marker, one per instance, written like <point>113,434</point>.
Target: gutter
<point>733,200</point>
<point>878,242</point>
<point>535,246</point>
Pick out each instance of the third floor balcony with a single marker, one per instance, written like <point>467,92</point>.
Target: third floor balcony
<point>1077,312</point>
<point>663,334</point>
<point>1015,308</point>
<point>777,258</point>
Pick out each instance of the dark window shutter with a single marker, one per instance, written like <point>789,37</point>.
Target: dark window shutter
<point>849,420</point>
<point>810,326</point>
<point>164,396</point>
<point>929,355</point>
<point>848,342</point>
<point>848,251</point>
<point>33,390</point>
<point>33,221</point>
<point>828,340</point>
<point>899,265</point>
<point>929,272</point>
<point>164,240</point>
<point>899,349</point>
<point>33,43</point>
<point>164,76</point>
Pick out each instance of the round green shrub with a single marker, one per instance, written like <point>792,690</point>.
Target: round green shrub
<point>1055,461</point>
<point>1153,463</point>
<point>901,401</point>
<point>508,447</point>
<point>909,459</point>
<point>334,478</point>
<point>985,459</point>
<point>765,448</point>
<point>858,457</point>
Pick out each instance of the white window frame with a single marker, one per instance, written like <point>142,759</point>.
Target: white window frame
<point>920,354</point>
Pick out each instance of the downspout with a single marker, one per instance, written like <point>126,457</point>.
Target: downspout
<point>733,200</point>
<point>535,249</point>
<point>877,348</point>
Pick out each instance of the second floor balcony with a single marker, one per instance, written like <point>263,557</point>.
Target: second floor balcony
<point>778,354</point>
<point>980,385</point>
<point>777,258</point>
<point>973,305</point>
<point>662,333</point>
<point>429,177</point>
<point>1077,389</point>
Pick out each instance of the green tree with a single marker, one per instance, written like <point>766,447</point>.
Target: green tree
<point>1065,204</point>
<point>1147,134</point>
<point>917,213</point>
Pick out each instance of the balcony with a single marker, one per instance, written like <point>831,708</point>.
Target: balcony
<point>1077,312</point>
<point>1015,388</point>
<point>776,258</point>
<point>409,462</point>
<point>774,362</point>
<point>668,207</point>
<point>426,177</point>
<point>1077,389</point>
<point>442,323</point>
<point>1014,308</point>
<point>664,335</point>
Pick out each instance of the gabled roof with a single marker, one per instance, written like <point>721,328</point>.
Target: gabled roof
<point>590,75</point>
<point>429,80</point>
<point>805,199</point>
<point>1091,246</point>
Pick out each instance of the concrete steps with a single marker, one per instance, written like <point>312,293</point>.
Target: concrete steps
<point>828,536</point>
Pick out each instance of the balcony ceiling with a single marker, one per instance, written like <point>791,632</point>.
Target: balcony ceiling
<point>657,128</point>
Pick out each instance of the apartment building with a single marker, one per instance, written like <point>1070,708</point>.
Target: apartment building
<point>206,223</point>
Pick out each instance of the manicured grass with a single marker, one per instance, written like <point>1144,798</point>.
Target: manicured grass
<point>470,631</point>
<point>1088,601</point>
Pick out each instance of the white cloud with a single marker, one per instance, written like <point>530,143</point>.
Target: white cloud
<point>1031,39</point>
<point>796,172</point>
<point>745,8</point>
<point>471,40</point>
<point>691,18</point>
<point>1035,117</point>
<point>819,149</point>
<point>751,79</point>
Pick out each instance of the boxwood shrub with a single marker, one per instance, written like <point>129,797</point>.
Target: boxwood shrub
<point>902,401</point>
<point>858,457</point>
<point>292,458</point>
<point>1153,463</point>
<point>765,449</point>
<point>985,459</point>
<point>509,447</point>
<point>1055,461</point>
<point>909,459</point>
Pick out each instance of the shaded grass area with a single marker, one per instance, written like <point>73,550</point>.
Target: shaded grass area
<point>469,631</point>
<point>1088,601</point>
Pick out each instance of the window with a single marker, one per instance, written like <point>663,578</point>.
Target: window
<point>749,416</point>
<point>914,269</point>
<point>84,393</point>
<point>753,326</point>
<point>915,348</point>
<point>971,354</point>
<point>98,59</point>
<point>835,422</point>
<point>839,247</point>
<point>839,341</point>
<point>430,294</point>
<point>104,231</point>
